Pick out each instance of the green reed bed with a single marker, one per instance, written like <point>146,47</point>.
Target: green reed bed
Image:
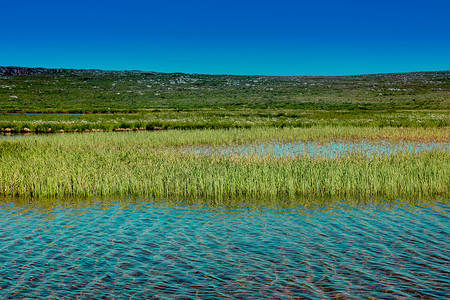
<point>216,119</point>
<point>153,164</point>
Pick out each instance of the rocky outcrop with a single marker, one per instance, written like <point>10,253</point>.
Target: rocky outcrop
<point>13,71</point>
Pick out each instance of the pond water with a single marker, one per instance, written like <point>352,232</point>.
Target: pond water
<point>40,114</point>
<point>332,149</point>
<point>148,249</point>
<point>7,136</point>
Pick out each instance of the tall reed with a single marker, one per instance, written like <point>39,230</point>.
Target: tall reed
<point>153,164</point>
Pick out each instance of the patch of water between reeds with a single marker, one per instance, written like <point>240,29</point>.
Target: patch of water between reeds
<point>7,136</point>
<point>311,149</point>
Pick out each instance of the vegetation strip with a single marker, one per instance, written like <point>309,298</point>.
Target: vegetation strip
<point>216,119</point>
<point>153,164</point>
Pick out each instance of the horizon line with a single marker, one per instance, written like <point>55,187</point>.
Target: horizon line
<point>222,74</point>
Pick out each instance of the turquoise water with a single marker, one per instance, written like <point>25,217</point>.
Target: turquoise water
<point>333,149</point>
<point>148,249</point>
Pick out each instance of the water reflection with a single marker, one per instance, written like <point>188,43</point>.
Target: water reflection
<point>148,249</point>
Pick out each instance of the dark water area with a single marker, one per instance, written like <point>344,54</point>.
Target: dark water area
<point>149,249</point>
<point>8,136</point>
<point>43,113</point>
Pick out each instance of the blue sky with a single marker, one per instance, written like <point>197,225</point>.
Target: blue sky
<point>229,37</point>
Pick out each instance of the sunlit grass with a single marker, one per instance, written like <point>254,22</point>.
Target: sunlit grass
<point>213,118</point>
<point>153,164</point>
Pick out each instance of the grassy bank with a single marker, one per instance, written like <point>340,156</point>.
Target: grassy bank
<point>210,118</point>
<point>153,164</point>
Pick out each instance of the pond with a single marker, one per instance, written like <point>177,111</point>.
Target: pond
<point>332,149</point>
<point>42,114</point>
<point>150,249</point>
<point>9,136</point>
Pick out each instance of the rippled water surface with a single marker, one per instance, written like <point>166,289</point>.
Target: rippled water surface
<point>147,249</point>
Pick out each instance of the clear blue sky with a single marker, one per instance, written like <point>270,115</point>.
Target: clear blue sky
<point>229,37</point>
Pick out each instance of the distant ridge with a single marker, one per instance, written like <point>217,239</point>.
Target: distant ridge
<point>13,71</point>
<point>17,71</point>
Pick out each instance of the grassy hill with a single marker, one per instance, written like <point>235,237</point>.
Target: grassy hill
<point>112,91</point>
<point>149,100</point>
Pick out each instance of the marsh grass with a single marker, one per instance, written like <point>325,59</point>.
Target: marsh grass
<point>219,119</point>
<point>152,164</point>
